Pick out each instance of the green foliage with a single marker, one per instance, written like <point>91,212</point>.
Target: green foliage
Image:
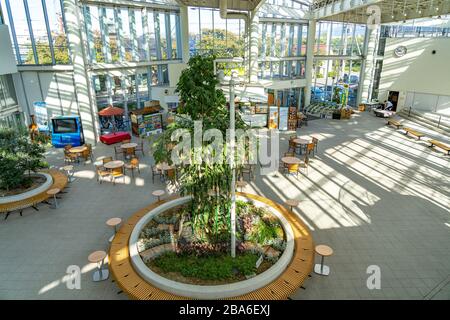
<point>209,267</point>
<point>43,51</point>
<point>18,155</point>
<point>263,232</point>
<point>208,183</point>
<point>222,42</point>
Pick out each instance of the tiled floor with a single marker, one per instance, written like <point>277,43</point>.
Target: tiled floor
<point>374,195</point>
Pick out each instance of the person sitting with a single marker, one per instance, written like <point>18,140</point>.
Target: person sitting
<point>388,105</point>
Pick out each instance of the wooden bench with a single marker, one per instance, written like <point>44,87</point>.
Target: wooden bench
<point>281,288</point>
<point>394,123</point>
<point>413,132</point>
<point>440,145</point>
<point>59,181</point>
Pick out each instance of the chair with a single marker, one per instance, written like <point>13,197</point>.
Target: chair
<point>247,169</point>
<point>316,143</point>
<point>293,169</point>
<point>289,154</point>
<point>156,172</point>
<point>130,152</point>
<point>117,173</point>
<point>292,146</point>
<point>101,173</point>
<point>107,159</point>
<point>89,147</point>
<point>86,155</point>
<point>134,164</point>
<point>69,157</point>
<point>140,148</point>
<point>118,151</point>
<point>304,164</point>
<point>171,176</point>
<point>310,148</point>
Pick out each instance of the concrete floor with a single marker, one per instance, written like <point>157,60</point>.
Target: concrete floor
<point>374,195</point>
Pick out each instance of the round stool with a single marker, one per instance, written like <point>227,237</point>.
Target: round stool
<point>324,251</point>
<point>241,184</point>
<point>69,172</point>
<point>292,203</point>
<point>113,222</point>
<point>158,194</point>
<point>53,192</point>
<point>98,257</point>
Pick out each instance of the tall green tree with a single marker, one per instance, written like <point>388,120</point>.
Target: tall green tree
<point>208,183</point>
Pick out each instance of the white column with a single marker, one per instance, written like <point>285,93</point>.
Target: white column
<point>86,105</point>
<point>184,21</point>
<point>254,50</point>
<point>309,60</point>
<point>368,65</point>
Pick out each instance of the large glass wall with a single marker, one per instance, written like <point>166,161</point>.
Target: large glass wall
<point>37,31</point>
<point>338,49</point>
<point>131,34</point>
<point>8,102</point>
<point>210,34</point>
<point>282,49</point>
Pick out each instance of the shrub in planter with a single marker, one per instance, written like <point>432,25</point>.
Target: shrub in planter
<point>18,156</point>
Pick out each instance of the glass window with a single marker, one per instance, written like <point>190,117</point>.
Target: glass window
<point>162,33</point>
<point>56,24</point>
<point>64,125</point>
<point>40,32</point>
<point>22,32</point>
<point>126,35</point>
<point>151,35</point>
<point>173,35</point>
<point>207,38</point>
<point>7,93</point>
<point>194,30</point>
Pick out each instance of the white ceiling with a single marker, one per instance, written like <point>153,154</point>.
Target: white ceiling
<point>391,10</point>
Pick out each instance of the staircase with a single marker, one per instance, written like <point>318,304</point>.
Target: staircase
<point>433,121</point>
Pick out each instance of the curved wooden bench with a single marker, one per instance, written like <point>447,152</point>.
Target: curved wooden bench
<point>59,181</point>
<point>284,286</point>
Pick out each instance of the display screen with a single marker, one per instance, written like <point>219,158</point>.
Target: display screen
<point>65,125</point>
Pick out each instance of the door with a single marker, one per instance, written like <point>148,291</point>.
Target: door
<point>393,97</point>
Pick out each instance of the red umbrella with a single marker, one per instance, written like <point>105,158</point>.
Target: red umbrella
<point>111,111</point>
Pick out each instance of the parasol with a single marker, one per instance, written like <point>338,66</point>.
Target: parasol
<point>111,111</point>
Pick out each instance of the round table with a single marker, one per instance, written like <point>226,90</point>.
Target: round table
<point>113,222</point>
<point>130,145</point>
<point>98,257</point>
<point>291,160</point>
<point>114,164</point>
<point>323,251</point>
<point>292,203</point>
<point>158,194</point>
<point>53,192</point>
<point>241,184</point>
<point>78,149</point>
<point>163,166</point>
<point>69,171</point>
<point>301,142</point>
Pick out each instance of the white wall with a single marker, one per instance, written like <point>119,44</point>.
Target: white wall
<point>55,88</point>
<point>8,62</point>
<point>418,71</point>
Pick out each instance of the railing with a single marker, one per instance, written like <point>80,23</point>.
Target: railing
<point>440,120</point>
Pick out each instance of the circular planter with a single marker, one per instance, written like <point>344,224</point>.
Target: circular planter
<point>215,291</point>
<point>31,193</point>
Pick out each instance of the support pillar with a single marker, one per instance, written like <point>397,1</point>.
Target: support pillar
<point>87,108</point>
<point>184,22</point>
<point>309,60</point>
<point>254,50</point>
<point>368,65</point>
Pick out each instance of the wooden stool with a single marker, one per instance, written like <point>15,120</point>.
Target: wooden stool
<point>53,192</point>
<point>241,184</point>
<point>292,203</point>
<point>158,194</point>
<point>69,172</point>
<point>324,251</point>
<point>98,257</point>
<point>113,222</point>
